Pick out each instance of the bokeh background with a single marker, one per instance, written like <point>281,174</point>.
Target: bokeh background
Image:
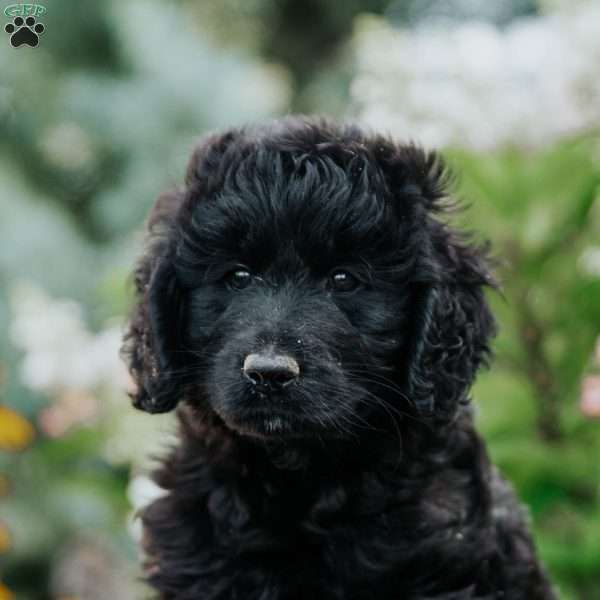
<point>101,117</point>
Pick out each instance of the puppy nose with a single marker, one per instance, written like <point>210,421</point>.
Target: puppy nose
<point>274,371</point>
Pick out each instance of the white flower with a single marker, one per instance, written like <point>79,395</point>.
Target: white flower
<point>60,352</point>
<point>141,492</point>
<point>475,85</point>
<point>81,371</point>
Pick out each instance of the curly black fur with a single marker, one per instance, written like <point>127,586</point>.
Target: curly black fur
<point>365,478</point>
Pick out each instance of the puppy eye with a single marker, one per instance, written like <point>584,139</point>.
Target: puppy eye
<point>342,281</point>
<point>239,279</point>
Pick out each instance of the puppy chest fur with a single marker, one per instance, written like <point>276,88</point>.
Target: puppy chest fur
<point>304,303</point>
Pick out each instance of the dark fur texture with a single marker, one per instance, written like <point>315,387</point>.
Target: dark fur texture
<point>364,479</point>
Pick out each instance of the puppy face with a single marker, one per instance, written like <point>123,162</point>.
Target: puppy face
<point>296,300</point>
<point>300,286</point>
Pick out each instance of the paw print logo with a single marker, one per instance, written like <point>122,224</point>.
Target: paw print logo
<point>24,31</point>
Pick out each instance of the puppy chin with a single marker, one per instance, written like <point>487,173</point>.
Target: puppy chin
<point>264,417</point>
<point>265,423</point>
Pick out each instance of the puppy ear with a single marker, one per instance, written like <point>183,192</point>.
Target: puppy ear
<point>152,342</point>
<point>152,336</point>
<point>451,336</point>
<point>450,342</point>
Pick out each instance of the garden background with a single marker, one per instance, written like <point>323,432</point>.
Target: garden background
<point>101,116</point>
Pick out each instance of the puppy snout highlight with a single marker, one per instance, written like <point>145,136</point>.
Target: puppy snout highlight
<point>270,369</point>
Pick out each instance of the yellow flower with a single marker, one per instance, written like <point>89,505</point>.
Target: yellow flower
<point>16,432</point>
<point>5,593</point>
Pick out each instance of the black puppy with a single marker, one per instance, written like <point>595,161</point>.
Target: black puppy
<point>321,324</point>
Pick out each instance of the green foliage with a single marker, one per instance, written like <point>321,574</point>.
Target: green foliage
<point>542,212</point>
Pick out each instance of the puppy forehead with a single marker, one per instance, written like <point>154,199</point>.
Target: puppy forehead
<point>320,208</point>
